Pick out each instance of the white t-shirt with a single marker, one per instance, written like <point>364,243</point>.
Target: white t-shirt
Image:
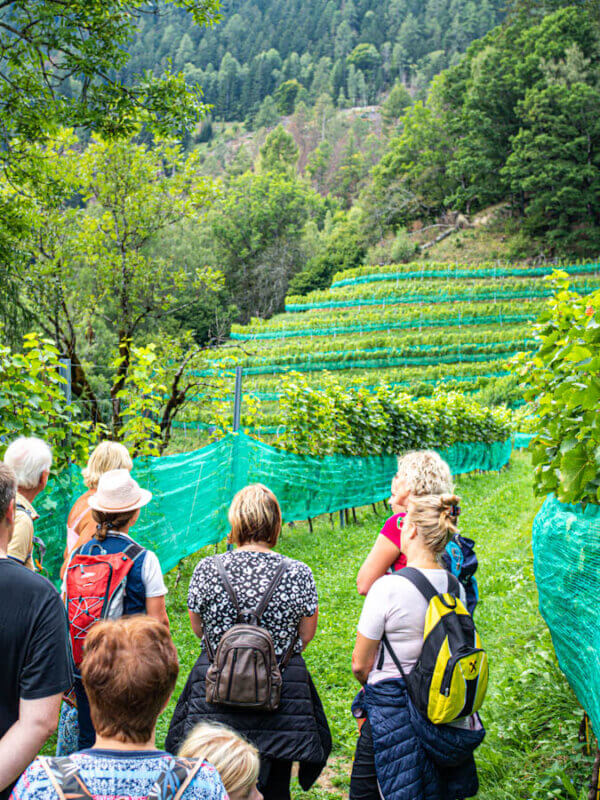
<point>397,608</point>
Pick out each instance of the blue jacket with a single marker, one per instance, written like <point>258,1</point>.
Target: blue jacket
<point>415,759</point>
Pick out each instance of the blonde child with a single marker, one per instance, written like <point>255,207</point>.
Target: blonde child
<point>234,758</point>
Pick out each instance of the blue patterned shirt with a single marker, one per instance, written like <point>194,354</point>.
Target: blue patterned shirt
<point>115,775</point>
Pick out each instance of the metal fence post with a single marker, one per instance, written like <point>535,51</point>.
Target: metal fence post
<point>64,371</point>
<point>237,400</point>
<point>237,413</point>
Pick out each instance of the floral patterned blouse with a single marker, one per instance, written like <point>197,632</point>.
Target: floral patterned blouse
<point>250,573</point>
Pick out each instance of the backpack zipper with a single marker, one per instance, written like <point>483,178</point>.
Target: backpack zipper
<point>233,660</point>
<point>452,661</point>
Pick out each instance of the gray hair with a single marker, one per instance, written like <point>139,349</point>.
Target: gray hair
<point>8,488</point>
<point>29,457</point>
<point>425,472</point>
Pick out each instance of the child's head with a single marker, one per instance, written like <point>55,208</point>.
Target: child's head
<point>235,759</point>
<point>420,472</point>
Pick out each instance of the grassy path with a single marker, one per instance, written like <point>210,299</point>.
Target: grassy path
<point>531,749</point>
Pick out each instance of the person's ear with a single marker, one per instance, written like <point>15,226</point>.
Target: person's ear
<point>135,517</point>
<point>10,515</point>
<point>44,479</point>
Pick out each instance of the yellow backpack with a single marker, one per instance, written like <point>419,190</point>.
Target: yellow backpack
<point>449,681</point>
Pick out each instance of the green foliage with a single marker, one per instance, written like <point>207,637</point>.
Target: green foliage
<point>555,165</point>
<point>279,153</point>
<point>343,248</point>
<point>561,383</point>
<point>142,396</point>
<point>33,402</point>
<point>257,224</point>
<point>515,118</point>
<point>355,421</point>
<point>286,96</point>
<point>310,47</point>
<point>61,59</point>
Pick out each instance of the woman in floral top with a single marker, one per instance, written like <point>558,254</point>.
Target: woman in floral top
<point>298,730</point>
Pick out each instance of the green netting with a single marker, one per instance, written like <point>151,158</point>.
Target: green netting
<point>489,272</point>
<point>272,396</point>
<point>434,297</point>
<point>421,322</point>
<point>315,356</point>
<point>566,560</point>
<point>522,440</point>
<point>192,492</point>
<point>332,366</point>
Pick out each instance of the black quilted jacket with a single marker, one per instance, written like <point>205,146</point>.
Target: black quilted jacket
<point>297,731</point>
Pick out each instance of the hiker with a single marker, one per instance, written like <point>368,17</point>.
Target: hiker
<point>129,671</point>
<point>234,758</point>
<point>34,642</point>
<point>400,752</point>
<point>31,460</point>
<point>420,472</point>
<point>81,526</point>
<point>115,509</point>
<point>252,677</point>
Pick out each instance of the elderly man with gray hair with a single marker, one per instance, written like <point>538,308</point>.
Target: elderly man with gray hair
<point>34,643</point>
<point>31,459</point>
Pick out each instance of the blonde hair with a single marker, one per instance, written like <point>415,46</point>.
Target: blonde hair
<point>424,472</point>
<point>255,516</point>
<point>106,457</point>
<point>434,516</point>
<point>234,758</point>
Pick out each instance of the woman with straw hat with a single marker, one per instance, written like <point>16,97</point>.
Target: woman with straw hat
<point>116,508</point>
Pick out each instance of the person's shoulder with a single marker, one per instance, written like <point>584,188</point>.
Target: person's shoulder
<point>298,567</point>
<point>34,783</point>
<point>32,581</point>
<point>206,783</point>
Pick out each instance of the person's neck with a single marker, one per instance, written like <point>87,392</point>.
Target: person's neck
<point>423,561</point>
<point>255,547</point>
<point>108,743</point>
<point>29,494</point>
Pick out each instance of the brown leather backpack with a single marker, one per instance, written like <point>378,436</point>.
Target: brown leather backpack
<point>244,671</point>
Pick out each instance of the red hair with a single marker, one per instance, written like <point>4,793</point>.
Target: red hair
<point>129,671</point>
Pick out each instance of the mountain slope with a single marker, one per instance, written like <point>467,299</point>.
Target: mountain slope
<point>351,49</point>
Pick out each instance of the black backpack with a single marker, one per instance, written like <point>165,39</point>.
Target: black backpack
<point>244,671</point>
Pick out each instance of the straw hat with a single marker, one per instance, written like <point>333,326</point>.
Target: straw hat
<point>117,491</point>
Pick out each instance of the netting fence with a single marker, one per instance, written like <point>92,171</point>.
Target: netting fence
<point>465,272</point>
<point>437,297</point>
<point>419,322</point>
<point>192,491</point>
<point>566,559</point>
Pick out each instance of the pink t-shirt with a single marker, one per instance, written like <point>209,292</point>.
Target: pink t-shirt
<point>392,529</point>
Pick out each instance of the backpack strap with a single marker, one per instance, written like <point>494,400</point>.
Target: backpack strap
<point>175,779</point>
<point>21,507</point>
<point>228,587</point>
<point>262,606</point>
<point>66,779</point>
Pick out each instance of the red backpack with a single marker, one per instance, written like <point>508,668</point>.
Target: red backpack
<point>95,589</point>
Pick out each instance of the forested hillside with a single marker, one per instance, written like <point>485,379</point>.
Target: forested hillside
<point>283,50</point>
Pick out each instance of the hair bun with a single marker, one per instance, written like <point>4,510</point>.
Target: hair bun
<point>450,511</point>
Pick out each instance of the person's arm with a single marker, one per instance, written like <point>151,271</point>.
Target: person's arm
<point>157,608</point>
<point>363,657</point>
<point>22,742</point>
<point>196,623</point>
<point>380,559</point>
<point>307,628</point>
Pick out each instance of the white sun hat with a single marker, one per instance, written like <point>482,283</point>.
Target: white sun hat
<point>117,491</point>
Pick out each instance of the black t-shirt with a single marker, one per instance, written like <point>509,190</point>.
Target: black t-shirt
<point>34,642</point>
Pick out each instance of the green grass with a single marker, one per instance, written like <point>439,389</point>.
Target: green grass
<point>531,749</point>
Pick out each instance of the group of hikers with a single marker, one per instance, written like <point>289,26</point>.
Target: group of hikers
<point>99,653</point>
